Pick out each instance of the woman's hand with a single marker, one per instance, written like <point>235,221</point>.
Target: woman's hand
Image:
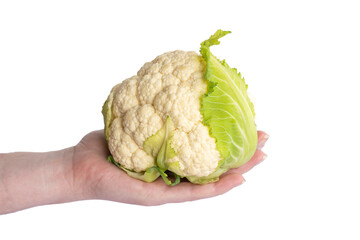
<point>100,179</point>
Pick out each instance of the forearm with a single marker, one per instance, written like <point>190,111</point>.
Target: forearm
<point>32,179</point>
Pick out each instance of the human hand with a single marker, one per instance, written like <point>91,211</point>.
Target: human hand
<point>98,179</point>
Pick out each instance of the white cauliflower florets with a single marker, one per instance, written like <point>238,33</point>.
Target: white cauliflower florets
<point>171,85</point>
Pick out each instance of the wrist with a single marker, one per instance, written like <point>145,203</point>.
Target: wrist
<point>78,188</point>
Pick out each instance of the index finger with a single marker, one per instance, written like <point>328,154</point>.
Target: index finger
<point>187,191</point>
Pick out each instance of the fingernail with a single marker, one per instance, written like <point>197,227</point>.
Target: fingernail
<point>262,159</point>
<point>242,182</point>
<point>263,141</point>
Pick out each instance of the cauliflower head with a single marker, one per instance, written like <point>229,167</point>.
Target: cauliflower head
<point>183,112</point>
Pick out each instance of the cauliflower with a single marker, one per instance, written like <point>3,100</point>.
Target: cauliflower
<point>183,112</point>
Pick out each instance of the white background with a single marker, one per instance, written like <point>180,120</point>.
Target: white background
<point>301,59</point>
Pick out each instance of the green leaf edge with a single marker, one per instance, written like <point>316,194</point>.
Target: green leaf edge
<point>149,175</point>
<point>206,54</point>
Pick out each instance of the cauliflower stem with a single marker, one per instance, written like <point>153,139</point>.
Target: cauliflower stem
<point>150,175</point>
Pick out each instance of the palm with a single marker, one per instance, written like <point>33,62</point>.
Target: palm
<point>103,180</point>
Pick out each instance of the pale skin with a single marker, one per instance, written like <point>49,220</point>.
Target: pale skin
<point>81,172</point>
